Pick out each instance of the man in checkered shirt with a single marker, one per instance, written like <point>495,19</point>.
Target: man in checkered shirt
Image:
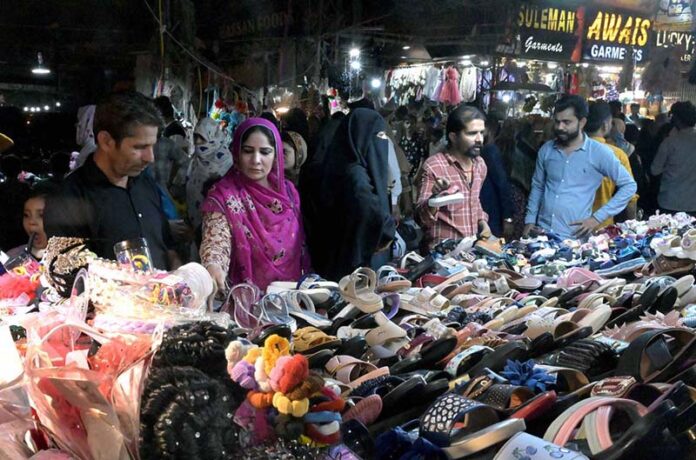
<point>459,168</point>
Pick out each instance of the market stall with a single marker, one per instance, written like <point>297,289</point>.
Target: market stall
<point>113,360</point>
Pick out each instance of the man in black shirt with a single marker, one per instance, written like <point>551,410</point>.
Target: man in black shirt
<point>108,199</point>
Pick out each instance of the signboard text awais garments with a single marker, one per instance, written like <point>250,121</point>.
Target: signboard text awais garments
<point>612,36</point>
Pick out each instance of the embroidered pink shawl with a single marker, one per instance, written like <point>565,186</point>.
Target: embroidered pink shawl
<point>266,223</point>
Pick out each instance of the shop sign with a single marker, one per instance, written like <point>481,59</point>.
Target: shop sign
<point>547,32</point>
<point>613,36</point>
<point>261,24</point>
<point>683,41</point>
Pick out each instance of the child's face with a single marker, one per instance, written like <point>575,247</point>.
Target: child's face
<point>33,220</point>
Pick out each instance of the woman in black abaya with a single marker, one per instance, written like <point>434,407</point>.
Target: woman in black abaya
<point>350,214</point>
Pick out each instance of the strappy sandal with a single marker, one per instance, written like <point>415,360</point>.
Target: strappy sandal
<point>584,416</point>
<point>661,265</point>
<point>423,301</point>
<point>442,423</point>
<point>319,289</point>
<point>385,339</point>
<point>300,305</point>
<point>595,300</point>
<point>353,371</point>
<point>274,309</point>
<point>410,259</point>
<point>244,299</point>
<point>656,356</point>
<point>308,340</point>
<point>358,289</point>
<point>560,329</point>
<point>505,397</point>
<point>390,280</point>
<point>518,281</point>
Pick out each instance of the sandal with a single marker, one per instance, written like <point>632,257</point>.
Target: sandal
<point>524,445</point>
<point>423,301</point>
<point>300,305</point>
<point>656,356</point>
<point>662,265</point>
<point>274,310</point>
<point>244,298</point>
<point>308,340</point>
<point>358,288</point>
<point>389,280</point>
<point>518,281</point>
<point>366,410</point>
<point>352,371</point>
<point>452,417</point>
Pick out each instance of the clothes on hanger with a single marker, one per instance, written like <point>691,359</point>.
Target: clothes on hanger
<point>468,83</point>
<point>450,89</point>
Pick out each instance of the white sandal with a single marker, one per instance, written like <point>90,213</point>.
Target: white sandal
<point>358,289</point>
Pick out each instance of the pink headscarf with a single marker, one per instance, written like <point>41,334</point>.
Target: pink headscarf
<point>267,234</point>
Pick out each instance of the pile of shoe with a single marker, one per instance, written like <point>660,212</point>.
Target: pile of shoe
<point>543,348</point>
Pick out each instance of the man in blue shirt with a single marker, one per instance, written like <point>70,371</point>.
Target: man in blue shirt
<point>568,172</point>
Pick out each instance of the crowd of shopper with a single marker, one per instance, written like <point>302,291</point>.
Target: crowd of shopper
<point>360,176</point>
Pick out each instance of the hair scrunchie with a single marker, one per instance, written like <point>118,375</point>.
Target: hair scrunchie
<point>334,404</point>
<point>236,351</point>
<point>275,347</point>
<point>260,400</point>
<point>315,433</point>
<point>243,374</point>
<point>313,384</point>
<point>288,373</point>
<point>288,407</point>
<point>261,376</point>
<point>252,355</point>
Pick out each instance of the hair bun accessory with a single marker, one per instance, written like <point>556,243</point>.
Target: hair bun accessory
<point>243,374</point>
<point>293,372</point>
<point>307,388</point>
<point>261,376</point>
<point>260,400</point>
<point>275,347</point>
<point>288,407</point>
<point>236,351</point>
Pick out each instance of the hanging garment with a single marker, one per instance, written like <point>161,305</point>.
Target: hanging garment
<point>468,85</point>
<point>450,89</point>
<point>432,80</point>
<point>574,84</point>
<point>440,84</point>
